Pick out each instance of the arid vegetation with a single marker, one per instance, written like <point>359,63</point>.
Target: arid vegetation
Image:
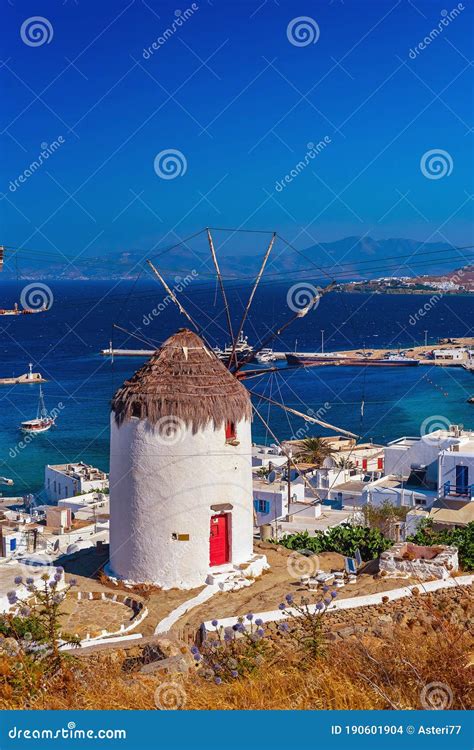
<point>401,662</point>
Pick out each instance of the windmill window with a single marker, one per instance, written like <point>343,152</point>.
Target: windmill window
<point>230,431</point>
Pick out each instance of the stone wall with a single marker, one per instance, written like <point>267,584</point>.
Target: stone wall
<point>423,563</point>
<point>418,611</point>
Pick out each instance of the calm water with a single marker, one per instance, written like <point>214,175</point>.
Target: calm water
<point>64,345</point>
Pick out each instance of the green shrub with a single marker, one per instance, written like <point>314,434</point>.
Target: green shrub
<point>345,539</point>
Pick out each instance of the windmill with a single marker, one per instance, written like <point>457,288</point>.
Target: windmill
<point>237,365</point>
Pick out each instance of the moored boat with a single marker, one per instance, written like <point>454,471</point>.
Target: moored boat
<point>242,349</point>
<point>43,421</point>
<point>338,360</point>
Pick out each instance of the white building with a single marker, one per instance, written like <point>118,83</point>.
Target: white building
<point>456,470</point>
<point>90,505</point>
<point>180,469</point>
<point>456,355</point>
<point>270,501</point>
<point>268,457</point>
<point>67,480</point>
<point>420,454</point>
<point>58,519</point>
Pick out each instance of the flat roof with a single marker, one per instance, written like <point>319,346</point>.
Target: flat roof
<point>356,485</point>
<point>452,512</point>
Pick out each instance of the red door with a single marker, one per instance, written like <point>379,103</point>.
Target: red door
<point>219,540</point>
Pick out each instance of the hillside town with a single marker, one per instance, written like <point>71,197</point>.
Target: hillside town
<point>460,281</point>
<point>194,510</point>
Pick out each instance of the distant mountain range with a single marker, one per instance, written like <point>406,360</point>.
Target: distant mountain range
<point>348,259</point>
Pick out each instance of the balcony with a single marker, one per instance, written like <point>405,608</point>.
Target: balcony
<point>451,489</point>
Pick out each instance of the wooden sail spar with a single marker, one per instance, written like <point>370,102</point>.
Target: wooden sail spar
<point>236,365</point>
<point>222,288</point>
<point>250,299</point>
<point>306,417</point>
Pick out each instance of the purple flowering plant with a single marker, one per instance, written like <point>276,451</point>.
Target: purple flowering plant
<point>303,625</point>
<point>233,651</point>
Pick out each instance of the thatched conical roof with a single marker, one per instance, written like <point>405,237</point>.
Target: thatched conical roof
<point>183,380</point>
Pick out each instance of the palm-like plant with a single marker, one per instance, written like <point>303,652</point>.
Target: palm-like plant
<point>313,450</point>
<point>344,462</point>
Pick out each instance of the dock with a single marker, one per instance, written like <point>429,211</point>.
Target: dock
<point>422,353</point>
<point>28,377</point>
<point>109,352</point>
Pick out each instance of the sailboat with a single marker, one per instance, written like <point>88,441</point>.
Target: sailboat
<point>43,421</point>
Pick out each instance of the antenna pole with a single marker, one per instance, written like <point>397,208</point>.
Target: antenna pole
<point>252,294</point>
<point>172,295</point>
<point>221,285</point>
<point>288,454</point>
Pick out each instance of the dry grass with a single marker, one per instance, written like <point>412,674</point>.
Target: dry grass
<point>369,673</point>
<point>360,672</point>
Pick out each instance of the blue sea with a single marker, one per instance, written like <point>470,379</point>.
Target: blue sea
<point>64,344</point>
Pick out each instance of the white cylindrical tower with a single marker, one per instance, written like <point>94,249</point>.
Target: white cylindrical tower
<point>180,469</point>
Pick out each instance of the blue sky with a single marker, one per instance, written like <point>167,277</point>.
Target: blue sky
<point>230,91</point>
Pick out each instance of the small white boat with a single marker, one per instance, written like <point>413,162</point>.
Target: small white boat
<point>265,355</point>
<point>43,421</point>
<point>242,349</point>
